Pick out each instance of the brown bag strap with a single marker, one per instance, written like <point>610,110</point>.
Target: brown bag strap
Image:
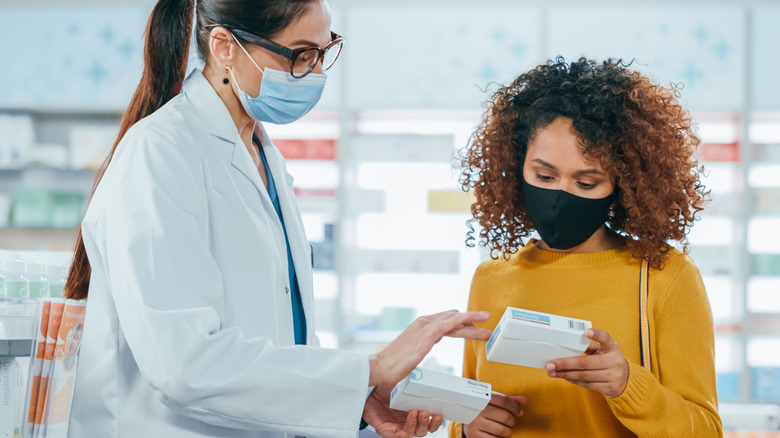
<point>644,323</point>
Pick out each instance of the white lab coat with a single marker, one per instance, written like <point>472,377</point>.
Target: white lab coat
<point>189,327</point>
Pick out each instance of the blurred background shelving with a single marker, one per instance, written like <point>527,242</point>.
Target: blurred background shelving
<point>373,164</point>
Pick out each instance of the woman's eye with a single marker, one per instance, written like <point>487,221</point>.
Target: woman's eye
<point>586,186</point>
<point>544,177</point>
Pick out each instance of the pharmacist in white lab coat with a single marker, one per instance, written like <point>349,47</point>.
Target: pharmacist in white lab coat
<point>194,257</point>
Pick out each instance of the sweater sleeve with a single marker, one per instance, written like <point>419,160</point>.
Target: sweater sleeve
<point>682,400</point>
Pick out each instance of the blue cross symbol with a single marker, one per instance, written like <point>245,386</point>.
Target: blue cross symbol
<point>97,73</point>
<point>519,49</point>
<point>722,49</point>
<point>701,34</point>
<point>107,34</point>
<point>488,74</point>
<point>499,35</point>
<point>691,74</point>
<point>126,49</point>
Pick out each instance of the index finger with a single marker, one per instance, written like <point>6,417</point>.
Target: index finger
<point>478,334</point>
<point>457,321</point>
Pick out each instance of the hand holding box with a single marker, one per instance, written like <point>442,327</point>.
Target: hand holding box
<point>531,339</point>
<point>454,398</point>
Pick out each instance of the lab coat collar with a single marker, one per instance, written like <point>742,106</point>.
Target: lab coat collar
<point>211,111</point>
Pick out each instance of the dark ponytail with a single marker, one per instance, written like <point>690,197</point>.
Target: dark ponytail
<point>165,63</point>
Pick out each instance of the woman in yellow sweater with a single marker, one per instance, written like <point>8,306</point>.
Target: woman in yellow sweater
<point>600,162</point>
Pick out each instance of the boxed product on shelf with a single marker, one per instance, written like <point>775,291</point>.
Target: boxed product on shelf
<point>13,383</point>
<point>528,338</point>
<point>728,385</point>
<point>766,264</point>
<point>16,139</point>
<point>766,384</point>
<point>454,398</point>
<point>33,208</point>
<point>89,145</point>
<point>49,155</point>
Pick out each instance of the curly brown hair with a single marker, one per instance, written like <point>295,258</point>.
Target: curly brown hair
<point>632,126</point>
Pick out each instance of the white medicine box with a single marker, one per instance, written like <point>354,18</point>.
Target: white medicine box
<point>454,398</point>
<point>531,339</point>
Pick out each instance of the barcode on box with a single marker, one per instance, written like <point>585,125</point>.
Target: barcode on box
<point>577,325</point>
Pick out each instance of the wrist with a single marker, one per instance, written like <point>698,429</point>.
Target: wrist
<point>375,374</point>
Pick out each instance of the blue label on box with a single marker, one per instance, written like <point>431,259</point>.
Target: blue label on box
<point>532,317</point>
<point>493,338</point>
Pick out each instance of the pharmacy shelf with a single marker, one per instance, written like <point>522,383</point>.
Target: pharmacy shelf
<point>762,324</point>
<point>17,328</point>
<point>38,238</point>
<point>78,172</point>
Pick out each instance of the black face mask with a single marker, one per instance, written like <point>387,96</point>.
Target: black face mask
<point>564,220</point>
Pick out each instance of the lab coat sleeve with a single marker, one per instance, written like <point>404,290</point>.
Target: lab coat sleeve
<point>683,401</point>
<point>168,293</point>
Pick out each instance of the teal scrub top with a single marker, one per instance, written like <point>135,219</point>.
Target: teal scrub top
<point>299,319</point>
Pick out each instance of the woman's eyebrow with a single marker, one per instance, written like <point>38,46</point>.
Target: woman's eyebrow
<point>579,172</point>
<point>543,163</point>
<point>306,43</point>
<point>590,172</point>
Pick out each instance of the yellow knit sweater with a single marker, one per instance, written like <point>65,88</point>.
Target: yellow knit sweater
<point>678,399</point>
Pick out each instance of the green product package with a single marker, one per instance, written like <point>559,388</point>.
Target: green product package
<point>31,209</point>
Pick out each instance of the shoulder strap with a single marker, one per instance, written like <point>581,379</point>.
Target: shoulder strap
<point>644,323</point>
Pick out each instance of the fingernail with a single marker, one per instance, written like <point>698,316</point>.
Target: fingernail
<point>589,333</point>
<point>550,366</point>
<point>484,314</point>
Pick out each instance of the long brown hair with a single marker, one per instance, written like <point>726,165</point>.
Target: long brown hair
<point>165,63</point>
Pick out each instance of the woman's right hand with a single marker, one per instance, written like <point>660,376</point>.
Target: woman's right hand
<point>399,358</point>
<point>498,418</point>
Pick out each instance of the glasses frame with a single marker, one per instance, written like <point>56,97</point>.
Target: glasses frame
<point>290,54</point>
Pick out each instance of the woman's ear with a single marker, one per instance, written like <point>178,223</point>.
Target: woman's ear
<point>221,46</point>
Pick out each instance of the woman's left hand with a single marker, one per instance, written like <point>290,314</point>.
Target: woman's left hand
<point>603,368</point>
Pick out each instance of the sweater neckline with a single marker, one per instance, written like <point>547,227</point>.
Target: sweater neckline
<point>532,253</point>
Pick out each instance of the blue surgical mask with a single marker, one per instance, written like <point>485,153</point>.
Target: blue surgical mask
<point>283,99</point>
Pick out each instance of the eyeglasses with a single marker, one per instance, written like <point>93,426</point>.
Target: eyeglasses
<point>302,60</point>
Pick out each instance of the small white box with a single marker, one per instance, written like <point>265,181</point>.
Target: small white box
<point>531,339</point>
<point>454,398</point>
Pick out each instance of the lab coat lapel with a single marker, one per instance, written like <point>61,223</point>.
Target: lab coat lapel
<point>243,163</point>
<point>296,235</point>
<point>215,119</point>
